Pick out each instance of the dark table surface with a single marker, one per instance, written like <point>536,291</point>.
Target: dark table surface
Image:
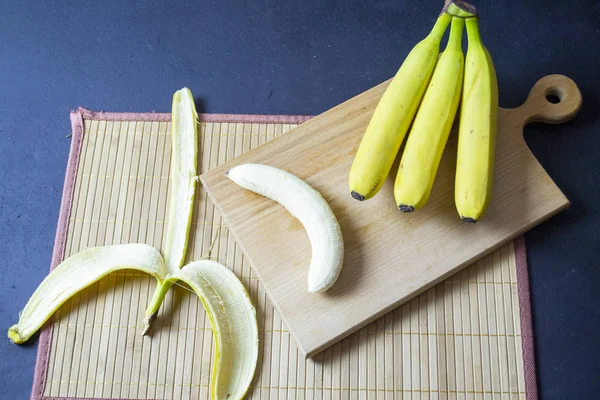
<point>290,57</point>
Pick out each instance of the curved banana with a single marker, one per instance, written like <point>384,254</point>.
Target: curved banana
<point>234,325</point>
<point>78,272</point>
<point>306,204</point>
<point>184,157</point>
<point>477,130</point>
<point>432,125</point>
<point>394,114</point>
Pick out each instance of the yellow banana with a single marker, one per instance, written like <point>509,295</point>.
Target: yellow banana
<point>477,130</point>
<point>430,130</point>
<point>394,114</point>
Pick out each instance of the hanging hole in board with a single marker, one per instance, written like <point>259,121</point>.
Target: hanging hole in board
<point>554,96</point>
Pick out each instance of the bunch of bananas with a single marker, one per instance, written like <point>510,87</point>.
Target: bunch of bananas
<point>426,93</point>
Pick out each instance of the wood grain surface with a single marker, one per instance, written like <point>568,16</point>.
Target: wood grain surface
<point>390,257</point>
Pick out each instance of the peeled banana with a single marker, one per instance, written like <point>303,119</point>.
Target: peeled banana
<point>431,127</point>
<point>394,114</point>
<point>306,204</point>
<point>477,130</point>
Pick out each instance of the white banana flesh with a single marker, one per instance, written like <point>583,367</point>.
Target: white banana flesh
<point>234,325</point>
<point>310,208</point>
<point>78,272</point>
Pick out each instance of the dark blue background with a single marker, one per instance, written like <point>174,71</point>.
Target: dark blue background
<point>290,57</point>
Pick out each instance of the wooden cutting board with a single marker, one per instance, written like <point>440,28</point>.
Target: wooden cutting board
<point>390,257</point>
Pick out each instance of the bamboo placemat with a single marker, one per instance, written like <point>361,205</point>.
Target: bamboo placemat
<point>467,338</point>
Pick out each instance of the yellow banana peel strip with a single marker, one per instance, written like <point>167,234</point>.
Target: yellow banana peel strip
<point>184,156</point>
<point>184,150</point>
<point>78,272</point>
<point>234,325</point>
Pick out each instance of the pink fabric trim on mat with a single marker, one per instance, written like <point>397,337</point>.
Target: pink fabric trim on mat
<point>58,254</point>
<point>77,118</point>
<point>84,398</point>
<point>526,323</point>
<point>233,118</point>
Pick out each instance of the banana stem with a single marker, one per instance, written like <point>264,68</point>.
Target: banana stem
<point>161,290</point>
<point>440,26</point>
<point>152,311</point>
<point>473,30</point>
<point>456,30</point>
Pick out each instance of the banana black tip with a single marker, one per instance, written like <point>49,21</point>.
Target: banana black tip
<point>469,220</point>
<point>357,196</point>
<point>406,209</point>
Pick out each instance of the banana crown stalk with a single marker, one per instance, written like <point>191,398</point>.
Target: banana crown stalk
<point>225,299</point>
<point>477,130</point>
<point>394,114</point>
<point>458,8</point>
<point>431,127</point>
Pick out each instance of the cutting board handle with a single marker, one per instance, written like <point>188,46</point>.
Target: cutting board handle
<point>554,99</point>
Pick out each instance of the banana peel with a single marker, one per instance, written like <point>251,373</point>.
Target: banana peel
<point>184,157</point>
<point>183,179</point>
<point>78,272</point>
<point>226,301</point>
<point>233,320</point>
